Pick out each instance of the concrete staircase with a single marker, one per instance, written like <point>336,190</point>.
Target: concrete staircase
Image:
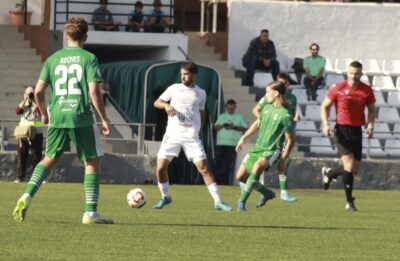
<point>200,53</point>
<point>19,66</point>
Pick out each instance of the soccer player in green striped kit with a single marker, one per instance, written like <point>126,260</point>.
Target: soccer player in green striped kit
<point>74,75</point>
<point>274,122</point>
<point>292,106</point>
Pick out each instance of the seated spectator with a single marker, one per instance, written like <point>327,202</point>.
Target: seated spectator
<point>314,69</point>
<point>103,20</point>
<point>135,23</point>
<point>158,20</point>
<point>260,55</point>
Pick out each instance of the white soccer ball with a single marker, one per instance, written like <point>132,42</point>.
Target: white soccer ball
<point>136,198</point>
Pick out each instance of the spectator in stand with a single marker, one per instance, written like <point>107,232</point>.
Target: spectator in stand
<point>135,23</point>
<point>314,70</point>
<point>30,116</point>
<point>158,20</point>
<point>261,55</point>
<point>103,20</point>
<point>230,127</point>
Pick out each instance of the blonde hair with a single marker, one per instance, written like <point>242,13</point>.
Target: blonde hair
<point>76,28</point>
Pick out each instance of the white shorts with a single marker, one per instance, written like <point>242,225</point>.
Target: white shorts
<point>171,147</point>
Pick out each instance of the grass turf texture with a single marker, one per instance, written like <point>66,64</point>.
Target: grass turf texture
<point>315,228</point>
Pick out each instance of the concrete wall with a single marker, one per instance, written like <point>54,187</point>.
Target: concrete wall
<point>33,5</point>
<point>358,30</point>
<point>128,169</point>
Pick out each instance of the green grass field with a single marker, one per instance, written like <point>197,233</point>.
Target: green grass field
<point>315,228</point>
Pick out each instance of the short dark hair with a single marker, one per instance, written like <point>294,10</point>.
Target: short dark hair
<point>231,102</point>
<point>190,66</point>
<point>356,64</point>
<point>138,4</point>
<point>157,3</point>
<point>265,31</point>
<point>314,44</point>
<point>284,76</point>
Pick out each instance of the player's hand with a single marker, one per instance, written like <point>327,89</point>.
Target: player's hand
<point>239,145</point>
<point>170,110</point>
<point>327,130</point>
<point>296,118</point>
<point>368,132</point>
<point>105,127</point>
<point>45,119</point>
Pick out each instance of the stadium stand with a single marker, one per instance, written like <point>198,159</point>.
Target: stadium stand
<point>365,79</point>
<point>398,83</point>
<point>328,66</point>
<point>341,64</point>
<point>382,130</point>
<point>370,66</point>
<point>321,145</point>
<point>392,147</point>
<point>391,67</point>
<point>321,93</point>
<point>382,83</point>
<point>372,147</point>
<point>380,100</point>
<point>307,129</point>
<point>261,79</point>
<point>388,115</point>
<point>331,79</point>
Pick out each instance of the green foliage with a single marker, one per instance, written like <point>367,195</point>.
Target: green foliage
<point>315,228</point>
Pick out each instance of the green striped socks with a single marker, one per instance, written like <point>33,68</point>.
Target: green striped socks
<point>39,175</point>
<point>91,184</point>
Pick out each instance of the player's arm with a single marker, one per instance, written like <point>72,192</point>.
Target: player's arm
<point>202,118</point>
<point>97,101</point>
<point>40,100</point>
<point>256,111</point>
<point>325,108</point>
<point>162,105</point>
<point>370,120</point>
<point>290,139</point>
<point>252,129</point>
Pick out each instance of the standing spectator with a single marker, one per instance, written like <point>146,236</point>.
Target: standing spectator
<point>30,116</point>
<point>291,101</point>
<point>158,20</point>
<point>314,69</point>
<point>184,104</point>
<point>274,123</point>
<point>135,23</point>
<point>350,98</point>
<point>71,118</point>
<point>260,55</point>
<point>103,20</point>
<point>230,126</point>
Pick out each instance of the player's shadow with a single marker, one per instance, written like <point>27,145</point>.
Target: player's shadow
<point>252,226</point>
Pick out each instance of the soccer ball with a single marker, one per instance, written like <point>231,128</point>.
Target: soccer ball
<point>136,198</point>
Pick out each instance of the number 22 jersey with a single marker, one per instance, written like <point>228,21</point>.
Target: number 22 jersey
<point>69,71</point>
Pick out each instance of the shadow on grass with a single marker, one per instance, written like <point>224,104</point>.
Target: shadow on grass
<point>248,226</point>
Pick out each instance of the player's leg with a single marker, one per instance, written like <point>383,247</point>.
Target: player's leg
<point>163,182</point>
<point>194,152</point>
<point>351,167</point>
<point>88,147</point>
<point>285,196</point>
<point>57,142</point>
<point>169,149</point>
<point>252,182</point>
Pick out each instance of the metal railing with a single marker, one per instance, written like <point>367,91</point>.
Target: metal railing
<point>64,7</point>
<point>7,138</point>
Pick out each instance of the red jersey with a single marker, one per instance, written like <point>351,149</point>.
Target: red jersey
<point>350,102</point>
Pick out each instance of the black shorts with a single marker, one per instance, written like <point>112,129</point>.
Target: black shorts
<point>348,140</point>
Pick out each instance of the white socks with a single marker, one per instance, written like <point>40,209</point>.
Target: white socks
<point>214,191</point>
<point>164,189</point>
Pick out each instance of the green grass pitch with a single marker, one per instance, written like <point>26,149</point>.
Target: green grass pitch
<point>315,228</point>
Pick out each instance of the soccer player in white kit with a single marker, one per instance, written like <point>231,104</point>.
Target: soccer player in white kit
<point>184,103</point>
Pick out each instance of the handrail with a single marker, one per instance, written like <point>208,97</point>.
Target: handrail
<point>140,137</point>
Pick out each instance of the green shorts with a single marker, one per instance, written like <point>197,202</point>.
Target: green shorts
<point>86,140</point>
<point>253,156</point>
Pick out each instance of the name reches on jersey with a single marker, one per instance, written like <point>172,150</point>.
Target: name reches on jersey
<point>70,59</point>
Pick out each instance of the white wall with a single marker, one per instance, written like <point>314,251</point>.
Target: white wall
<point>33,5</point>
<point>342,30</point>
